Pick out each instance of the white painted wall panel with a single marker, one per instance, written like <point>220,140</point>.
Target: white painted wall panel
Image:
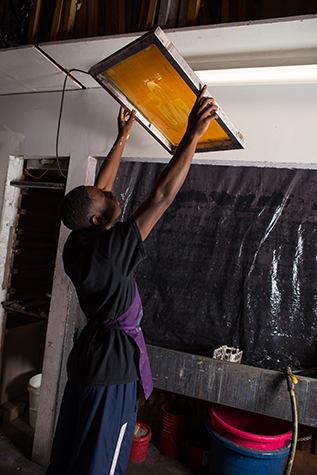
<point>278,123</point>
<point>25,69</point>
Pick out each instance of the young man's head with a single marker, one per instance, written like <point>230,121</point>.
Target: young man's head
<point>88,206</point>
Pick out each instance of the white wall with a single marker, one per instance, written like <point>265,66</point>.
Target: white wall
<point>278,121</point>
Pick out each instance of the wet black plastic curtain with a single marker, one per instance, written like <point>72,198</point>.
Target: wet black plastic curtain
<point>232,262</point>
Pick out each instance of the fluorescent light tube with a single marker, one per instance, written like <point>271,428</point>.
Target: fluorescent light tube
<point>266,75</point>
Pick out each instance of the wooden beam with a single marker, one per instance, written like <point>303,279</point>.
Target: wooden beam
<point>80,29</point>
<point>164,11</point>
<point>129,7</point>
<point>183,13</point>
<point>108,17</point>
<point>143,15</point>
<point>204,15</point>
<point>11,201</point>
<point>151,14</point>
<point>1,10</point>
<point>64,319</point>
<point>68,19</point>
<point>114,17</point>
<point>34,25</point>
<point>241,10</point>
<point>92,18</point>
<point>173,14</point>
<point>193,12</point>
<point>57,20</point>
<point>225,11</point>
<point>121,16</point>
<point>233,384</point>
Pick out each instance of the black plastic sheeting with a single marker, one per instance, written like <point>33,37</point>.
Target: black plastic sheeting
<point>15,22</point>
<point>232,262</point>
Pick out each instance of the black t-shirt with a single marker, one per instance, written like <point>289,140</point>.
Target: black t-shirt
<point>102,273</point>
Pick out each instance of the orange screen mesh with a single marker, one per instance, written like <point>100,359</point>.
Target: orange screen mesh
<point>150,82</point>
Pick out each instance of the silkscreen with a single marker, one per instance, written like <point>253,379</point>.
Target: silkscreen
<point>150,76</point>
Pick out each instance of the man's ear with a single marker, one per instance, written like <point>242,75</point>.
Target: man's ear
<point>97,220</point>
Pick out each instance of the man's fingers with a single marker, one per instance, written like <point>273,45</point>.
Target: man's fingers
<point>132,116</point>
<point>126,115</point>
<point>211,116</point>
<point>121,113</point>
<point>209,102</point>
<point>202,92</point>
<point>211,107</point>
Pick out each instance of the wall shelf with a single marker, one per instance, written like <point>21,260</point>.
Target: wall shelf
<point>30,263</point>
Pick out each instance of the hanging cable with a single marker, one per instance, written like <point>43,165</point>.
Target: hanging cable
<point>68,72</point>
<point>291,381</point>
<point>26,171</point>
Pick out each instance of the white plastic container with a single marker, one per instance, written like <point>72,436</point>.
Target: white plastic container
<point>34,386</point>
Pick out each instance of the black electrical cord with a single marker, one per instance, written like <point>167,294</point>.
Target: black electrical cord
<point>291,381</point>
<point>68,72</point>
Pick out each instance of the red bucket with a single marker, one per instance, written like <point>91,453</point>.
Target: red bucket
<point>249,429</point>
<point>141,439</point>
<point>197,448</point>
<point>173,429</point>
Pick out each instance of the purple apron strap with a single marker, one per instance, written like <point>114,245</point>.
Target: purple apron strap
<point>129,322</point>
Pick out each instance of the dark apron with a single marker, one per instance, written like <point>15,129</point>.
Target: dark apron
<point>129,322</point>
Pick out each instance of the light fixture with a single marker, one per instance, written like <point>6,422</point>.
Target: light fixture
<point>299,74</point>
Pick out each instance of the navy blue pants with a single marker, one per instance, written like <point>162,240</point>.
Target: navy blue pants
<point>95,430</point>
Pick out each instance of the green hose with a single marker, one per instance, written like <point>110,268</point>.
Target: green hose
<point>291,381</point>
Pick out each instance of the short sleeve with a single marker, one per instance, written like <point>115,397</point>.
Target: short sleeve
<point>123,245</point>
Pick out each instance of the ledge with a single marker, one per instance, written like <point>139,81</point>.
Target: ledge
<point>233,384</point>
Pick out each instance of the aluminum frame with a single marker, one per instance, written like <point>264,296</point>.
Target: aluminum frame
<point>158,38</point>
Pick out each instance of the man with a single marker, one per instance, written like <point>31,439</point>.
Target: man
<point>99,409</point>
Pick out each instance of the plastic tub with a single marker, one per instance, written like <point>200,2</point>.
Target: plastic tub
<point>140,443</point>
<point>229,458</point>
<point>248,429</point>
<point>197,448</point>
<point>34,387</point>
<point>174,416</point>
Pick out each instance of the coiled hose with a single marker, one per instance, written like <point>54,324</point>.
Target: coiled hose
<point>291,381</point>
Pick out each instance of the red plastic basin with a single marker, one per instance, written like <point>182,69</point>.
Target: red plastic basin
<point>249,429</point>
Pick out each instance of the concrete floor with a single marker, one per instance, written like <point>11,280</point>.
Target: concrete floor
<point>16,440</point>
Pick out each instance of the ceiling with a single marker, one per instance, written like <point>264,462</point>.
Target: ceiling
<point>287,41</point>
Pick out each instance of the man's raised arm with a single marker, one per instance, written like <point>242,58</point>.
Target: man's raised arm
<point>173,176</point>
<point>109,169</point>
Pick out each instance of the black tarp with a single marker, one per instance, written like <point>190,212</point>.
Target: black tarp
<point>232,262</point>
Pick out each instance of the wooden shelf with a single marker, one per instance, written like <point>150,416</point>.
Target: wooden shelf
<point>25,327</point>
<point>25,184</point>
<point>37,234</point>
<point>34,244</point>
<point>26,312</point>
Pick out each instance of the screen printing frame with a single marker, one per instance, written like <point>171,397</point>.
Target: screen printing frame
<point>185,74</point>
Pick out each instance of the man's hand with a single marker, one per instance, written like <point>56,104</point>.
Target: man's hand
<point>125,121</point>
<point>202,113</point>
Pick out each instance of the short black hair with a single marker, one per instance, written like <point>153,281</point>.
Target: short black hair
<point>76,208</point>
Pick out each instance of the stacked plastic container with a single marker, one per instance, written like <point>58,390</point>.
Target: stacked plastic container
<point>243,442</point>
<point>173,429</point>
